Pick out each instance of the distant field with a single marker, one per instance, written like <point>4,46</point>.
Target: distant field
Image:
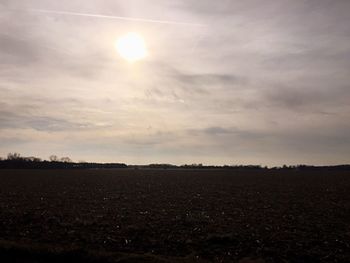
<point>127,215</point>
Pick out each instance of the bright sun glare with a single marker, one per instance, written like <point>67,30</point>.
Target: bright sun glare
<point>131,47</point>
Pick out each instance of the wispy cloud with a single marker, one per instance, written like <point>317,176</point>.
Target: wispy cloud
<point>124,18</point>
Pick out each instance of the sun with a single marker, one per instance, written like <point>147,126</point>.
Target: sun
<point>131,47</point>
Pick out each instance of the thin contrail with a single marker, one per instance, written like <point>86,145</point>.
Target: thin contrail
<point>115,17</point>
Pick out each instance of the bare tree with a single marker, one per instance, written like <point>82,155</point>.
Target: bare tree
<point>66,160</point>
<point>53,158</point>
<point>13,156</point>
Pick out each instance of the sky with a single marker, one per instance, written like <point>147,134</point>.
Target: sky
<point>226,82</point>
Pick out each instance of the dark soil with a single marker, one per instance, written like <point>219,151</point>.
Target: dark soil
<point>130,215</point>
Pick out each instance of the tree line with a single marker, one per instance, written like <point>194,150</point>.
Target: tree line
<point>17,161</point>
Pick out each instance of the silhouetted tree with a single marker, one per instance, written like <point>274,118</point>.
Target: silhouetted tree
<point>66,160</point>
<point>53,158</point>
<point>13,156</point>
<point>32,159</point>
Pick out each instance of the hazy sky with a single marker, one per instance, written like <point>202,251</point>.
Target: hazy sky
<point>261,82</point>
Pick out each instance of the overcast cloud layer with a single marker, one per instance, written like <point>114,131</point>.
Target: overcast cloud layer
<point>263,82</point>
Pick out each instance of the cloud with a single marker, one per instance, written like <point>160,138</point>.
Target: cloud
<point>40,123</point>
<point>325,99</point>
<point>218,130</point>
<point>16,51</point>
<point>210,79</point>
